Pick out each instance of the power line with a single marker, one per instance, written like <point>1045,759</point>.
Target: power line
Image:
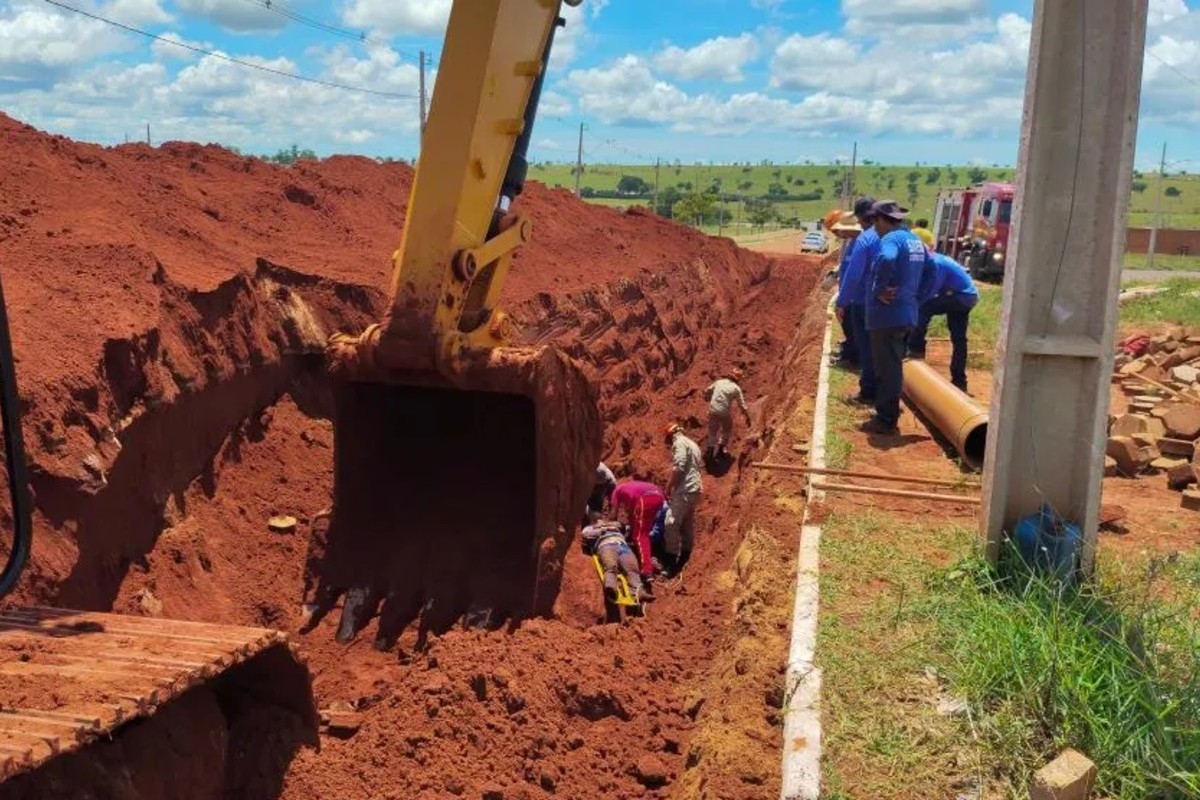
<point>1172,67</point>
<point>345,33</point>
<point>230,59</point>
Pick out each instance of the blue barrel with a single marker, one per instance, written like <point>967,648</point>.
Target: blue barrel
<point>1049,544</point>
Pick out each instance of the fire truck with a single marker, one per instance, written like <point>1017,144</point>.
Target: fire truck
<point>972,224</point>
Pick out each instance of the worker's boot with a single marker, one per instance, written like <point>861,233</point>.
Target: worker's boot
<point>611,585</point>
<point>645,592</point>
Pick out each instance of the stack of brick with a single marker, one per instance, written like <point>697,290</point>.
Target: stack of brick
<point>1160,433</point>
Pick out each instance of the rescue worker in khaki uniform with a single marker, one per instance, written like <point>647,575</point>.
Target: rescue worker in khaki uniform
<point>722,395</point>
<point>683,493</point>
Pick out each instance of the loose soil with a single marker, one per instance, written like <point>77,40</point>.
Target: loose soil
<point>169,309</point>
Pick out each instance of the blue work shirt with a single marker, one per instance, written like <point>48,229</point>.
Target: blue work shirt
<point>946,277</point>
<point>843,263</point>
<point>900,264</point>
<point>852,289</point>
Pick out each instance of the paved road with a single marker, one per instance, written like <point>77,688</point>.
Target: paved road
<point>1157,275</point>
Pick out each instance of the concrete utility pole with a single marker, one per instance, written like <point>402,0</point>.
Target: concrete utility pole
<point>424,107</point>
<point>850,182</point>
<point>1154,222</point>
<point>579,161</point>
<point>1050,397</point>
<point>657,164</point>
<point>148,144</point>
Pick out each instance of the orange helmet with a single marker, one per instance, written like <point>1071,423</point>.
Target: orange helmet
<point>735,374</point>
<point>671,429</point>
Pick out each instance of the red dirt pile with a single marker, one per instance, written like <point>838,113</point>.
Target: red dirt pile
<point>168,309</point>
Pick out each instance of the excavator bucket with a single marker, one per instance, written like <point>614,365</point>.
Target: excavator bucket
<point>458,501</point>
<point>462,465</point>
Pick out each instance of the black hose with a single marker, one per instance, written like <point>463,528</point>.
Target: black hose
<point>14,459</point>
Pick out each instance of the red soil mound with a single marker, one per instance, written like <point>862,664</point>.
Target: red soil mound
<point>167,307</point>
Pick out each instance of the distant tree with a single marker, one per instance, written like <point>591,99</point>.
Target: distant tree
<point>891,182</point>
<point>1139,186</point>
<point>913,193</point>
<point>746,186</point>
<point>759,212</point>
<point>933,176</point>
<point>291,155</point>
<point>791,179</point>
<point>913,176</point>
<point>667,199</point>
<point>832,172</point>
<point>1173,191</point>
<point>868,162</point>
<point>977,175</point>
<point>747,170</point>
<point>953,176</point>
<point>685,186</point>
<point>587,191</point>
<point>799,181</point>
<point>693,207</point>
<point>632,184</point>
<point>777,190</point>
<point>776,173</point>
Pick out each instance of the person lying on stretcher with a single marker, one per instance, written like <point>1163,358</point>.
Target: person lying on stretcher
<point>606,540</point>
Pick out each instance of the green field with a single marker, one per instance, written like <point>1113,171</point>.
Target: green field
<point>737,183</point>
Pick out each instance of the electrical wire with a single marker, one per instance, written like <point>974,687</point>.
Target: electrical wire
<point>358,36</point>
<point>1172,67</point>
<point>231,59</point>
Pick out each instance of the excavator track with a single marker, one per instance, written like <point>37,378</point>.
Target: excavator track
<point>72,678</point>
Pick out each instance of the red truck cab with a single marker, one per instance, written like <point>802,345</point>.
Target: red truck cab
<point>972,225</point>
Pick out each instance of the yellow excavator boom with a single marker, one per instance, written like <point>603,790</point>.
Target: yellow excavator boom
<point>461,465</point>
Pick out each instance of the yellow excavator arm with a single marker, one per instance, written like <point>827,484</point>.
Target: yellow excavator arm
<point>461,465</point>
<point>460,235</point>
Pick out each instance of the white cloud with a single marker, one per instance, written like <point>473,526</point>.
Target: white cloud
<point>553,104</point>
<point>1163,11</point>
<point>137,12</point>
<point>720,59</point>
<point>239,16</point>
<point>39,44</point>
<point>811,62</point>
<point>396,17</point>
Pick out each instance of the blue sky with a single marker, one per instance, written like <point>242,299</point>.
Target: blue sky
<point>695,80</point>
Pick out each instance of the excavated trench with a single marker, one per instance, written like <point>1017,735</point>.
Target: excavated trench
<point>226,421</point>
<point>171,411</point>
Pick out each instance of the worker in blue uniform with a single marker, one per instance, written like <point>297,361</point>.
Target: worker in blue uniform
<point>851,296</point>
<point>947,289</point>
<point>891,288</point>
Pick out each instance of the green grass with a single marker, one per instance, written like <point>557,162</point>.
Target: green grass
<point>1179,304</point>
<point>1164,262</point>
<point>838,447</point>
<point>1182,211</point>
<point>910,616</point>
<point>1111,672</point>
<point>883,736</point>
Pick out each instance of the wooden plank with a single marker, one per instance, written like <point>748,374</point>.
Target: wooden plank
<point>23,630</point>
<point>255,640</point>
<point>937,498</point>
<point>155,623</point>
<point>877,476</point>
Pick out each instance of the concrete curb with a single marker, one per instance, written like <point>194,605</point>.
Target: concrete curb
<point>802,709</point>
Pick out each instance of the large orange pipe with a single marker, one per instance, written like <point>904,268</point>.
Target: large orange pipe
<point>951,410</point>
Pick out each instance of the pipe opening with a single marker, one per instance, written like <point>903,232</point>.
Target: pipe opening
<point>974,446</point>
